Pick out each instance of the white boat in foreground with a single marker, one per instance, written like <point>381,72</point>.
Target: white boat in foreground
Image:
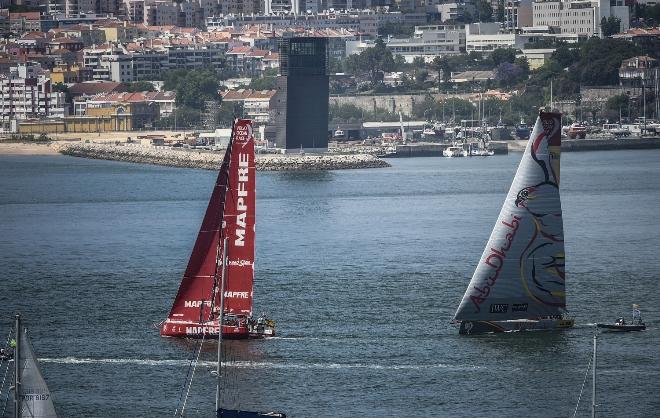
<point>519,283</point>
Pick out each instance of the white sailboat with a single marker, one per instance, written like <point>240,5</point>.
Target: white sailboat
<point>31,395</point>
<point>519,283</point>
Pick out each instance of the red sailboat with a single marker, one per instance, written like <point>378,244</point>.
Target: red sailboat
<point>224,248</point>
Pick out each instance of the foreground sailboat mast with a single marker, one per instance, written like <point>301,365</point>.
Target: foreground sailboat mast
<point>17,369</point>
<point>593,382</point>
<point>220,317</point>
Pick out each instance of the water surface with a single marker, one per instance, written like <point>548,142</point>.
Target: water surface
<point>362,269</point>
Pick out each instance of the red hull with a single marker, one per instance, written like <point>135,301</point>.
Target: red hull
<point>197,330</point>
<point>182,329</point>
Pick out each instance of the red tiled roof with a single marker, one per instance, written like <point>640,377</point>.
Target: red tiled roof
<point>246,94</point>
<point>239,50</point>
<point>135,97</point>
<point>33,35</point>
<point>26,15</point>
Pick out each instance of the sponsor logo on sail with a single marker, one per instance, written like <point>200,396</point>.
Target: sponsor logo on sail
<point>499,308</point>
<point>241,201</point>
<point>239,263</point>
<point>237,295</point>
<point>196,303</point>
<point>495,261</point>
<point>519,307</point>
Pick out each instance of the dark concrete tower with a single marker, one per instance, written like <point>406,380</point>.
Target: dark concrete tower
<point>301,104</point>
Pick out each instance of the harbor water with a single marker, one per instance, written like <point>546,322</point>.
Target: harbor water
<point>361,269</point>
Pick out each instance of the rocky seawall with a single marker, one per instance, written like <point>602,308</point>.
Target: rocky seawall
<point>212,160</point>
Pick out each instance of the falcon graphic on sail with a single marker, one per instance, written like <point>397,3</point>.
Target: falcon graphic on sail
<point>519,284</point>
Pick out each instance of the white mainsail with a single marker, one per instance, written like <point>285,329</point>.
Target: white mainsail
<point>35,399</point>
<point>521,272</point>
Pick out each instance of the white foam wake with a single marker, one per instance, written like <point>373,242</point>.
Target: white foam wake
<point>256,364</point>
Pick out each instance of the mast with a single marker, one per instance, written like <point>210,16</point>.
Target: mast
<point>17,369</point>
<point>220,318</point>
<point>551,104</point>
<point>593,386</point>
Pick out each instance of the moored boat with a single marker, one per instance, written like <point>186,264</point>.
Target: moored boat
<point>230,214</point>
<point>454,151</point>
<point>519,283</point>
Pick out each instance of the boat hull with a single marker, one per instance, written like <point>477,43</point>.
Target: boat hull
<point>621,328</point>
<point>235,413</point>
<point>488,327</point>
<point>210,330</point>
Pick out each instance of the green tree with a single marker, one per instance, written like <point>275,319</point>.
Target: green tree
<point>228,112</point>
<point>443,66</point>
<point>484,11</point>
<point>396,30</point>
<point>139,86</point>
<point>500,55</point>
<point>610,26</point>
<point>193,87</point>
<point>500,11</point>
<point>375,60</point>
<point>263,83</point>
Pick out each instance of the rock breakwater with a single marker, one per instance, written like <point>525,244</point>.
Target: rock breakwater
<point>212,160</point>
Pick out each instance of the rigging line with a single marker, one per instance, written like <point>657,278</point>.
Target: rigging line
<point>4,407</point>
<point>185,400</point>
<point>586,373</point>
<point>4,377</point>
<point>192,358</point>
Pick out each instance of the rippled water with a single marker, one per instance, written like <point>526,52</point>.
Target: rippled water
<point>362,270</point>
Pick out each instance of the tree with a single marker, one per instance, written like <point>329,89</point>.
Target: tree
<point>263,83</point>
<point>484,11</point>
<point>60,87</point>
<point>193,87</point>
<point>139,86</point>
<point>418,62</point>
<point>375,60</point>
<point>610,26</point>
<point>420,77</point>
<point>396,29</point>
<point>508,74</point>
<point>228,112</point>
<point>501,55</point>
<point>500,11</point>
<point>442,66</point>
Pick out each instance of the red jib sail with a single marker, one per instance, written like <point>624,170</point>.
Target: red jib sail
<point>230,214</point>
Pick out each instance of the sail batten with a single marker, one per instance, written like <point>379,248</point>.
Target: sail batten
<point>521,272</point>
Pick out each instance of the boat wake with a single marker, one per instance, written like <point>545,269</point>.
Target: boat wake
<point>258,365</point>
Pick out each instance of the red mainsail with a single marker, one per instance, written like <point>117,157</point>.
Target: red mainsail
<point>230,214</point>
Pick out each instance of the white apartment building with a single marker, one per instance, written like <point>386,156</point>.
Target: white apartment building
<point>486,37</point>
<point>579,17</point>
<point>429,42</point>
<point>123,66</point>
<point>25,92</point>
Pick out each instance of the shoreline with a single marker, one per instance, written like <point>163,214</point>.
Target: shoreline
<point>26,148</point>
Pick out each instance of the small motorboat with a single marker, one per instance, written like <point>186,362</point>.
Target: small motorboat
<point>621,326</point>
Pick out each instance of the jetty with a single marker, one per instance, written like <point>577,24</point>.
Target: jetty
<point>210,160</point>
<point>597,144</point>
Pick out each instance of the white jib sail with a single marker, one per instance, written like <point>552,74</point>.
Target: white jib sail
<point>35,397</point>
